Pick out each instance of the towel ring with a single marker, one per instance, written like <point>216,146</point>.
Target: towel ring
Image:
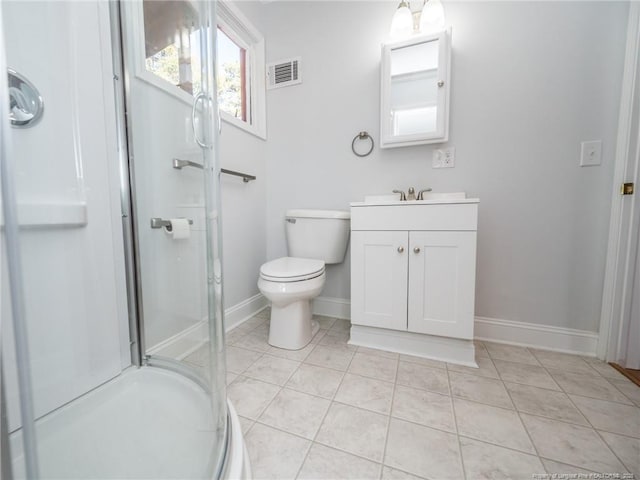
<point>361,136</point>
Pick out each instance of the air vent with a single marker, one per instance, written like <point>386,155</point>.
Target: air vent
<point>284,73</point>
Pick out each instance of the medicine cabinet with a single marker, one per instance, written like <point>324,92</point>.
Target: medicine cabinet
<point>414,106</point>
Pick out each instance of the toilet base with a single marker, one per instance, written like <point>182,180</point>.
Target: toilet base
<point>291,326</point>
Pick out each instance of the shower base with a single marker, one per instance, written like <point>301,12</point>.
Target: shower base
<point>147,423</point>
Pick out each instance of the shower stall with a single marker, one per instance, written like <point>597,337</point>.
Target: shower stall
<point>112,353</point>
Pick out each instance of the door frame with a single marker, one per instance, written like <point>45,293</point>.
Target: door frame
<point>625,219</point>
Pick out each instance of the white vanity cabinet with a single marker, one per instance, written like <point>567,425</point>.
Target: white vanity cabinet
<point>413,277</point>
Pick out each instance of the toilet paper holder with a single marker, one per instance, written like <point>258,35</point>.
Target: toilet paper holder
<point>161,223</point>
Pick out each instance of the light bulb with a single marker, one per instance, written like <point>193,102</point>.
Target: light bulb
<point>402,22</point>
<point>432,17</point>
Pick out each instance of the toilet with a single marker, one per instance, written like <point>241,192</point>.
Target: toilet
<point>315,238</point>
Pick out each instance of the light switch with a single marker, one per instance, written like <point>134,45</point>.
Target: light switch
<point>591,153</point>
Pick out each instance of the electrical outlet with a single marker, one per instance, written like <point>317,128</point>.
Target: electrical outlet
<point>591,153</point>
<point>444,158</point>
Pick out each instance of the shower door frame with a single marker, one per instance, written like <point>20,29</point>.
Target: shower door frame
<point>16,294</point>
<point>127,192</point>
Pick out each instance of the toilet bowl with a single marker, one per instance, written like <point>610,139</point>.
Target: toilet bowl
<point>314,238</point>
<point>290,284</point>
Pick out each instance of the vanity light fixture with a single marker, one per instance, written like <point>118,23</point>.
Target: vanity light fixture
<point>429,20</point>
<point>432,17</point>
<point>402,22</point>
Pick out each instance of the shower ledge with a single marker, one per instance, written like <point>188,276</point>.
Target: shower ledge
<point>52,214</point>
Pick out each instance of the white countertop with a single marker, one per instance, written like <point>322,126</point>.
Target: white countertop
<point>415,202</point>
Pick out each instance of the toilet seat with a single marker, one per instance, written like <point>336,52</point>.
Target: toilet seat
<point>291,269</point>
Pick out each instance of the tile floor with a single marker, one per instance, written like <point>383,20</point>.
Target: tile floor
<point>336,411</point>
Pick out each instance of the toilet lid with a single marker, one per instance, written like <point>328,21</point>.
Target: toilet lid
<point>291,269</point>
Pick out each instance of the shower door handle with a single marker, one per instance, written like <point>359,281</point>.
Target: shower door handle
<point>194,109</point>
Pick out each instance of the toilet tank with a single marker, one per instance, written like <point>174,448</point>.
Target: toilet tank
<point>318,234</point>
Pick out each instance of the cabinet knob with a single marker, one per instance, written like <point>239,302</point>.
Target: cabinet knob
<point>400,249</point>
<point>441,83</point>
<point>416,250</point>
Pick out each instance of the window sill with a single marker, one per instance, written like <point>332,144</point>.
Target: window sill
<point>251,129</point>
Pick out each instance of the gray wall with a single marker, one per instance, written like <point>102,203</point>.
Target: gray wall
<point>243,213</point>
<point>530,81</point>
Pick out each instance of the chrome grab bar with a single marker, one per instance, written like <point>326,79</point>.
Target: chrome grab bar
<point>246,178</point>
<point>179,164</point>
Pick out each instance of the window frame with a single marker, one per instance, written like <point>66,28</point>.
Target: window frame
<point>245,69</point>
<point>240,30</point>
<point>135,9</point>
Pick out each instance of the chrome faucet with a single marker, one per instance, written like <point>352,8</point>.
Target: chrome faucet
<point>403,196</point>
<point>422,192</point>
<point>411,194</point>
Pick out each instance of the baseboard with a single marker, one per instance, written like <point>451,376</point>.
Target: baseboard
<point>332,307</point>
<point>545,337</point>
<point>243,311</point>
<point>182,343</point>
<point>190,339</point>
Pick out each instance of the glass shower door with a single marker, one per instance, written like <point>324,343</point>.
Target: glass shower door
<point>75,407</point>
<point>172,132</point>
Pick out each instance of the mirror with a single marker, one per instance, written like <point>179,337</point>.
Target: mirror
<point>25,103</point>
<point>415,91</point>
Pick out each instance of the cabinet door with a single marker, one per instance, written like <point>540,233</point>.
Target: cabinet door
<point>442,267</point>
<point>379,279</point>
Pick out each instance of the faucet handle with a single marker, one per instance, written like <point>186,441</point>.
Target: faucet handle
<point>422,192</point>
<point>403,196</point>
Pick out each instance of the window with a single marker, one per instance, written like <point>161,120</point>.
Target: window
<point>232,79</point>
<point>168,49</point>
<point>171,43</point>
<point>240,71</point>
